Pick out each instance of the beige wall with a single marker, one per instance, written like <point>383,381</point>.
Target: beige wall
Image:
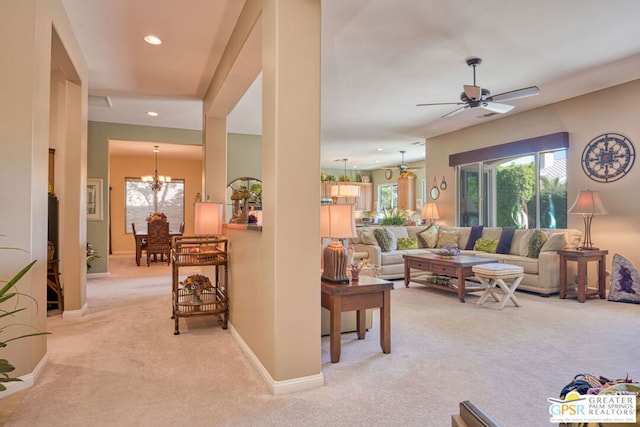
<point>26,40</point>
<point>126,167</point>
<point>585,117</point>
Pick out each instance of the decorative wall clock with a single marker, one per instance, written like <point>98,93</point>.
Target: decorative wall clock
<point>435,191</point>
<point>388,173</point>
<point>608,157</point>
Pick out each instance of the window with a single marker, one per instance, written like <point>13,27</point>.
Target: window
<point>387,197</point>
<point>526,191</point>
<point>140,201</point>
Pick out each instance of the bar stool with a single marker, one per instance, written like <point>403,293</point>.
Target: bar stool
<point>53,282</point>
<point>492,277</point>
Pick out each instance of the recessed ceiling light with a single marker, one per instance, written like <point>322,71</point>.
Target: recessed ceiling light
<point>151,39</point>
<point>379,149</point>
<point>152,114</point>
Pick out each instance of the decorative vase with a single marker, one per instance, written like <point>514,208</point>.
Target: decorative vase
<point>195,298</point>
<point>355,274</point>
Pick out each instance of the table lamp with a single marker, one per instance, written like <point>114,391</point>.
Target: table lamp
<point>587,204</point>
<point>430,211</point>
<point>336,222</point>
<point>208,218</point>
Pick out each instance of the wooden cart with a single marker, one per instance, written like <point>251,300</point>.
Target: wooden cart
<point>189,251</point>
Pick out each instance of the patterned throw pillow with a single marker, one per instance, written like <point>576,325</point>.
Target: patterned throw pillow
<point>429,237</point>
<point>407,243</point>
<point>486,245</point>
<point>535,244</point>
<point>383,239</point>
<point>448,238</point>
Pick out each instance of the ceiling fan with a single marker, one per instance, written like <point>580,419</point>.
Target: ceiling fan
<point>475,96</point>
<point>402,167</point>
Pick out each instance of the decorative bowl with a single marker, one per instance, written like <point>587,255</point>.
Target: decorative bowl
<point>447,252</point>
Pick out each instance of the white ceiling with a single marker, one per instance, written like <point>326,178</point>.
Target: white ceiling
<point>379,59</point>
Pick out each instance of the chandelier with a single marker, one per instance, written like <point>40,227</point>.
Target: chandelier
<point>156,180</point>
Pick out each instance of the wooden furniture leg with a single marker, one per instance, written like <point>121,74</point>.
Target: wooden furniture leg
<point>385,322</point>
<point>582,279</point>
<point>461,283</point>
<point>334,337</point>
<point>602,277</point>
<point>563,277</point>
<point>361,323</point>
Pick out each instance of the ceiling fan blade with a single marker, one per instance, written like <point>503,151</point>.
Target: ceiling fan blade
<point>515,94</point>
<point>441,103</point>
<point>497,108</point>
<point>456,111</point>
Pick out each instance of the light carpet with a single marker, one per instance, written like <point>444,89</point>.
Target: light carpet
<point>121,365</point>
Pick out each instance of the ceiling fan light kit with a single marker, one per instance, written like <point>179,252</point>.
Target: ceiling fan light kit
<point>475,96</point>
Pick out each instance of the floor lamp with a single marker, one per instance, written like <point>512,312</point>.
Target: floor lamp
<point>336,222</point>
<point>587,204</point>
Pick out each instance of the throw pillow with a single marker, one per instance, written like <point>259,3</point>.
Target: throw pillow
<point>504,244</point>
<point>476,233</point>
<point>393,240</point>
<point>368,238</point>
<point>555,242</point>
<point>382,238</point>
<point>524,243</point>
<point>407,243</point>
<point>429,237</point>
<point>448,238</point>
<point>535,244</point>
<point>399,231</point>
<point>486,245</point>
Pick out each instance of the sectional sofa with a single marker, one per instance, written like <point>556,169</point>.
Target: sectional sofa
<point>534,250</point>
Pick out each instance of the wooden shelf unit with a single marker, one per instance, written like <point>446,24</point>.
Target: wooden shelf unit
<point>194,251</point>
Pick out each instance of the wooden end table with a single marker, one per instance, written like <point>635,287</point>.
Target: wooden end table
<point>358,295</point>
<point>582,257</point>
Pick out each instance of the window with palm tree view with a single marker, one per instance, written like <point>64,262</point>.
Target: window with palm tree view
<point>526,191</point>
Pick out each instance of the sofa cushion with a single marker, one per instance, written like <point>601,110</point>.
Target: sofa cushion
<point>506,237</point>
<point>492,233</point>
<point>429,237</point>
<point>554,242</point>
<point>383,239</point>
<point>393,240</point>
<point>399,231</point>
<point>523,244</point>
<point>530,265</point>
<point>367,238</point>
<point>407,243</point>
<point>485,245</point>
<point>448,238</point>
<point>535,243</point>
<point>475,234</point>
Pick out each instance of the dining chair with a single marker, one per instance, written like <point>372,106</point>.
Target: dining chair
<point>158,240</point>
<point>141,243</point>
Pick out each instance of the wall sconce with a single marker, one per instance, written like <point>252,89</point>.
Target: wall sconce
<point>587,204</point>
<point>430,211</point>
<point>336,222</point>
<point>208,218</point>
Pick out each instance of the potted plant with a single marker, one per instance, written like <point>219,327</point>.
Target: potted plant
<point>8,292</point>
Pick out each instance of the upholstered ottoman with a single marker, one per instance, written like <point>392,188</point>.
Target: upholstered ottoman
<point>492,277</point>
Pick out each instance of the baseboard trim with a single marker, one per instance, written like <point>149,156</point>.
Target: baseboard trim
<point>75,314</point>
<point>28,380</point>
<point>293,385</point>
<point>97,275</point>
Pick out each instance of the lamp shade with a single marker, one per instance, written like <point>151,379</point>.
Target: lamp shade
<point>208,218</point>
<point>430,211</point>
<point>588,203</point>
<point>337,221</point>
<point>344,191</point>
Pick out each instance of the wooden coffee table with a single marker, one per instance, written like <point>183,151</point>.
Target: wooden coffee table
<point>359,295</point>
<point>458,266</point>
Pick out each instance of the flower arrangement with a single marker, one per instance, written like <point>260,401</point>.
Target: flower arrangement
<point>447,251</point>
<point>196,283</point>
<point>157,215</point>
<point>91,255</point>
<point>363,263</point>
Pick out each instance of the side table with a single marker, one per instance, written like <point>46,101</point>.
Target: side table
<point>358,295</point>
<point>582,257</point>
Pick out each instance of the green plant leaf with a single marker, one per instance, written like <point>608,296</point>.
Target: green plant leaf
<point>11,283</point>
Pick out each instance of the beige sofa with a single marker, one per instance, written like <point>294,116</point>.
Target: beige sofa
<point>541,274</point>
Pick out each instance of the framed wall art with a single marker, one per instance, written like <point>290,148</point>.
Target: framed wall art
<point>94,199</point>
